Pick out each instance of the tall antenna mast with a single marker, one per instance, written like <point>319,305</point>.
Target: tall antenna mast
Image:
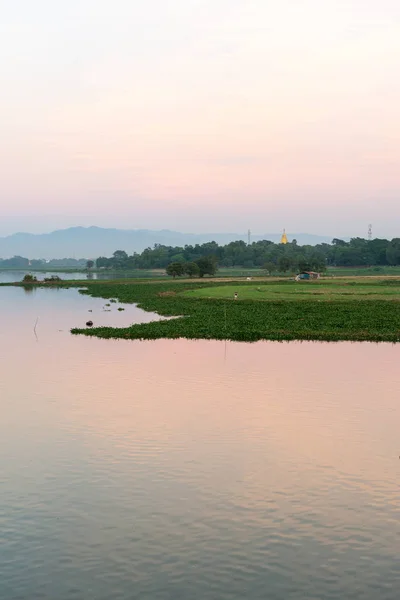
<point>248,237</point>
<point>369,232</point>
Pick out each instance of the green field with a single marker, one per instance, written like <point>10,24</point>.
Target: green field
<point>363,271</point>
<point>301,291</point>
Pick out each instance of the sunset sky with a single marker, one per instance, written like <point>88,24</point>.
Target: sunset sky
<point>201,115</point>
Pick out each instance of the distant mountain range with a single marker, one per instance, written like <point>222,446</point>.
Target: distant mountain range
<point>92,242</point>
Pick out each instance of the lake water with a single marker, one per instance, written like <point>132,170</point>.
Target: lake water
<point>192,469</point>
<point>8,276</point>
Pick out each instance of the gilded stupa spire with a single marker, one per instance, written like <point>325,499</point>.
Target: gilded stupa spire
<point>284,239</point>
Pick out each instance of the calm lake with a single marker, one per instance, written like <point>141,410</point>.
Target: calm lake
<point>9,276</point>
<point>193,470</point>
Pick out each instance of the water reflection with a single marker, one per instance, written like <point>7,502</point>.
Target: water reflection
<point>28,289</point>
<point>184,469</point>
<point>8,276</point>
<point>60,309</point>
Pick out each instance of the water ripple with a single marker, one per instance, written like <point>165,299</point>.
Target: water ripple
<point>173,469</point>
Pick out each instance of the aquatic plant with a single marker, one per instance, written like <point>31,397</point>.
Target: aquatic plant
<point>309,318</point>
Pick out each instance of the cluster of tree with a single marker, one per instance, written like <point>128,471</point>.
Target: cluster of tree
<point>16,262</point>
<point>20,262</point>
<point>206,265</point>
<point>72,263</point>
<point>291,257</point>
<point>29,278</point>
<point>264,254</point>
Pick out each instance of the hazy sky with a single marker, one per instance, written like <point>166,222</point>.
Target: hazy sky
<point>200,115</point>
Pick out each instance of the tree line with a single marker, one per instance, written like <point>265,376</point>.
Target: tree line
<point>21,262</point>
<point>358,252</point>
<point>202,259</point>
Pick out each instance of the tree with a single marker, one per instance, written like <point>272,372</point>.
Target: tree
<point>377,251</point>
<point>119,259</point>
<point>270,267</point>
<point>393,252</point>
<point>37,263</point>
<point>89,264</point>
<point>302,263</point>
<point>317,261</point>
<point>284,263</point>
<point>120,255</point>
<point>348,256</point>
<point>175,269</point>
<point>178,257</point>
<point>207,265</point>
<point>192,269</point>
<point>16,261</point>
<point>29,278</point>
<point>102,262</point>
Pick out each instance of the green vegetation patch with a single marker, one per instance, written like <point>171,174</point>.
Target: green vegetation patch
<point>323,291</point>
<point>203,314</point>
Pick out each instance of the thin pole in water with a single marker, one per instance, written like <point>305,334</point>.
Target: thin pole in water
<point>225,334</point>
<point>34,329</point>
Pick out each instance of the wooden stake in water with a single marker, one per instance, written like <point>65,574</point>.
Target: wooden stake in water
<point>34,329</point>
<point>225,334</point>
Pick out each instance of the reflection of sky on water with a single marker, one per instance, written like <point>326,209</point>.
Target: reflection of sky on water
<point>7,276</point>
<point>60,309</point>
<point>13,276</point>
<point>194,468</point>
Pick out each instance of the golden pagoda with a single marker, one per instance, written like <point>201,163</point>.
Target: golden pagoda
<point>284,239</point>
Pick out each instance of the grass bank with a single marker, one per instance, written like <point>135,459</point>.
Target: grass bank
<point>355,311</point>
<point>300,291</point>
<point>363,271</point>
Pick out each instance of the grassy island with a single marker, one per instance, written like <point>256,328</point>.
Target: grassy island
<point>358,309</point>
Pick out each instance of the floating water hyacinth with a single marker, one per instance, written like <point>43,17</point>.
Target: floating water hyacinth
<point>282,310</point>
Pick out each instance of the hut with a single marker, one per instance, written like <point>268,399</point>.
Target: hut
<point>307,276</point>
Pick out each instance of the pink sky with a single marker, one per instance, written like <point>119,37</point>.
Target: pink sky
<point>201,115</point>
